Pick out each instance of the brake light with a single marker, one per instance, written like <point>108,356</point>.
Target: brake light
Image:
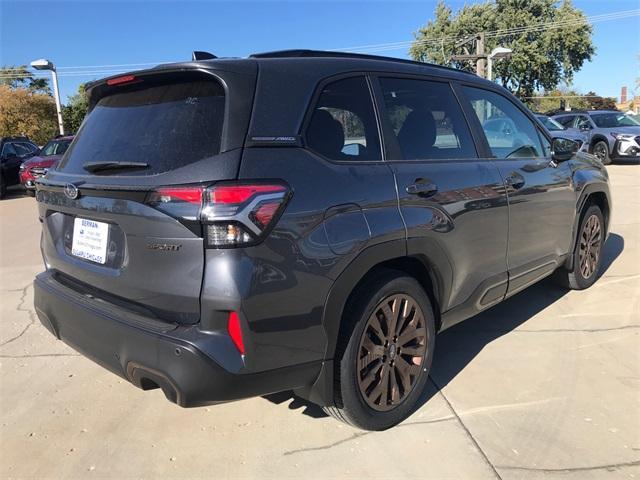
<point>241,193</point>
<point>235,331</point>
<point>122,80</point>
<point>231,214</point>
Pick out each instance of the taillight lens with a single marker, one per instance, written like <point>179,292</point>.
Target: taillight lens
<point>237,215</point>
<point>179,202</point>
<point>231,214</point>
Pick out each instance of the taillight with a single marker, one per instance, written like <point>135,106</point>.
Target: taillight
<point>236,215</point>
<point>231,214</point>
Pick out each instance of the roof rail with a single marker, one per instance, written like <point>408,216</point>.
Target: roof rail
<point>303,53</point>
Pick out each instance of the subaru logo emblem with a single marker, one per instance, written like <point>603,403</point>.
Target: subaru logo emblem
<point>71,191</point>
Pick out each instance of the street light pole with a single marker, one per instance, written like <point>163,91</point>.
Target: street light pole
<point>43,64</point>
<point>497,53</point>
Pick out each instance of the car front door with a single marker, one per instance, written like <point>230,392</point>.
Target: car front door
<point>452,201</point>
<point>10,164</point>
<point>540,191</point>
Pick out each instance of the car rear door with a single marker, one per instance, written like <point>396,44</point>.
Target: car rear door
<point>452,200</point>
<point>540,192</point>
<point>120,213</point>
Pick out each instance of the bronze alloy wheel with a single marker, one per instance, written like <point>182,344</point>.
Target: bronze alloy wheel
<point>391,352</point>
<point>590,242</point>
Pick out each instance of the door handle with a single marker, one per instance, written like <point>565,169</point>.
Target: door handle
<point>515,180</point>
<point>422,189</point>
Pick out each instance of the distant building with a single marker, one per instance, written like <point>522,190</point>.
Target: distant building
<point>628,105</point>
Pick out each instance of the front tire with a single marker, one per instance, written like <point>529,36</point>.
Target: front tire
<point>601,150</point>
<point>587,255</point>
<point>384,354</point>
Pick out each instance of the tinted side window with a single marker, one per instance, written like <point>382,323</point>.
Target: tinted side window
<point>343,124</point>
<point>566,121</point>
<point>8,150</point>
<point>426,119</point>
<point>22,149</point>
<point>583,122</point>
<point>509,131</point>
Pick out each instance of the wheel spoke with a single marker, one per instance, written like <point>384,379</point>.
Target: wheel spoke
<point>410,335</point>
<point>382,388</point>
<point>374,324</point>
<point>391,352</point>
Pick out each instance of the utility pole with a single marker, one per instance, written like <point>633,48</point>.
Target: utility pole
<point>481,61</point>
<point>479,57</point>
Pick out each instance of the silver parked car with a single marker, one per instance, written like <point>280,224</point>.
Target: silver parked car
<point>612,135</point>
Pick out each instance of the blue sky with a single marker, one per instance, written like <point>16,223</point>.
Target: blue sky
<point>75,33</point>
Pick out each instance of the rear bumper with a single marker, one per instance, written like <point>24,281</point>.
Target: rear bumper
<point>150,354</point>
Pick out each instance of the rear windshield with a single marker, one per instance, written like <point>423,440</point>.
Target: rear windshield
<point>165,126</point>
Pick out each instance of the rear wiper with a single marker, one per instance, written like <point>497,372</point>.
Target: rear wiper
<point>102,166</point>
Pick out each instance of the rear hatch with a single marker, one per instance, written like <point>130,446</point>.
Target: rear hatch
<point>118,217</point>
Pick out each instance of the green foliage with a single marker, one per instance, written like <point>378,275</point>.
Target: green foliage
<point>25,112</point>
<point>19,77</point>
<point>596,102</point>
<point>541,59</point>
<point>75,110</point>
<point>556,99</point>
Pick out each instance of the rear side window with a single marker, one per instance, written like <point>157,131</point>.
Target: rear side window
<point>566,121</point>
<point>426,119</point>
<point>510,133</point>
<point>343,123</point>
<point>166,126</point>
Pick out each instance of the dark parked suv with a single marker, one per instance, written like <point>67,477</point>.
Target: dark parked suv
<point>303,220</point>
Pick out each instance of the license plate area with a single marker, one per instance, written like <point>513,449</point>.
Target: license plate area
<point>90,240</point>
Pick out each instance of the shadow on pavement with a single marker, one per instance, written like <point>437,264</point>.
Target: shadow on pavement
<point>15,191</point>
<point>459,345</point>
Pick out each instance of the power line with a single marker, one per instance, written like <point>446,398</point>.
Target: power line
<point>102,70</point>
<point>495,33</point>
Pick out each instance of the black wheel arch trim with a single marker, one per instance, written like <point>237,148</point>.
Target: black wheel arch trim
<point>321,392</point>
<point>587,191</point>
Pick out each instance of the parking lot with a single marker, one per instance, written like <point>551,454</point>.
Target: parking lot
<point>545,385</point>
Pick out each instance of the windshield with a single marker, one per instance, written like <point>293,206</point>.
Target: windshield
<point>55,147</point>
<point>163,125</point>
<point>550,124</point>
<point>612,120</point>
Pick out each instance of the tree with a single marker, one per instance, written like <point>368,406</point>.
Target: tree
<point>75,110</point>
<point>596,102</point>
<point>20,77</point>
<point>25,112</point>
<point>542,58</point>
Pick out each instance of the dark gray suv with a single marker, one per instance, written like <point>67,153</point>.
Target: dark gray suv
<point>303,220</point>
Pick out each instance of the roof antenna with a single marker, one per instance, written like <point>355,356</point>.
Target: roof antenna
<point>197,55</point>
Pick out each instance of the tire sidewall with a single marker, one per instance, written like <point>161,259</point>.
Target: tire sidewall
<point>607,159</point>
<point>358,411</point>
<point>580,280</point>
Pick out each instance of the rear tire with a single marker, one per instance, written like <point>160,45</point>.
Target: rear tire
<point>587,254</point>
<point>601,150</point>
<point>3,190</point>
<point>382,364</point>
<point>31,193</point>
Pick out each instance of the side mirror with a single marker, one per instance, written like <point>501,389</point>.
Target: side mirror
<point>563,149</point>
<point>585,126</point>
